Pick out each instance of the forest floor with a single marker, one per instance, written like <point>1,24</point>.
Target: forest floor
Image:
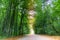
<point>34,37</point>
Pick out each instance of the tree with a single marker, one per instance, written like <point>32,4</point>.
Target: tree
<point>15,20</point>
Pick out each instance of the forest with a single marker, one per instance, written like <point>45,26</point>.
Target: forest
<point>21,17</point>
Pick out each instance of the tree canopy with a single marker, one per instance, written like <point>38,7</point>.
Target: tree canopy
<point>14,19</point>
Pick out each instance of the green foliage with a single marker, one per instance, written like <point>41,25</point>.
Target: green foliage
<point>13,19</point>
<point>47,20</point>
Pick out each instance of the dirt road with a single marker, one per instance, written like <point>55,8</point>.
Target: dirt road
<point>35,37</point>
